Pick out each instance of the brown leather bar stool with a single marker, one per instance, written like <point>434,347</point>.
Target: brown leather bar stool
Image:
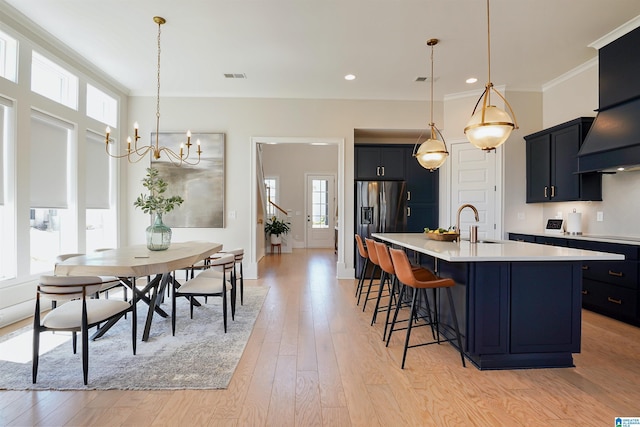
<point>386,264</point>
<point>389,276</point>
<point>420,280</point>
<point>373,257</point>
<point>362,250</point>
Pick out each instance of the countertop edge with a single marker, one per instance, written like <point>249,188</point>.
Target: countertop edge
<point>465,250</point>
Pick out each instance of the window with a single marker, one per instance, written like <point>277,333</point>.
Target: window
<point>51,80</point>
<point>49,216</point>
<point>8,57</point>
<point>101,106</point>
<point>271,185</point>
<point>320,204</point>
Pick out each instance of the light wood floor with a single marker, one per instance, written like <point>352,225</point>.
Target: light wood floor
<point>313,359</point>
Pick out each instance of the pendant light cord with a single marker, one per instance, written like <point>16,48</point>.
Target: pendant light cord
<point>431,116</point>
<point>158,92</point>
<point>489,84</point>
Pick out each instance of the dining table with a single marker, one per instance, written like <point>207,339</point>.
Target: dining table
<point>131,262</point>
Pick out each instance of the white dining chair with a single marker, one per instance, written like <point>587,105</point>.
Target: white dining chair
<point>77,312</point>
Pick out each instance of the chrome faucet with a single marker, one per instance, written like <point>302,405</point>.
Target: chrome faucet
<point>475,212</point>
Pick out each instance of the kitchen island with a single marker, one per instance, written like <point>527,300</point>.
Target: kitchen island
<point>518,304</point>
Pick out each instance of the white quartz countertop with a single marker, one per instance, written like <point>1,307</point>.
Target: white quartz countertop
<point>497,250</point>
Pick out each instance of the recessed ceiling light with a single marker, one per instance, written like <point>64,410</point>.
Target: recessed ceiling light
<point>350,77</point>
<point>471,80</point>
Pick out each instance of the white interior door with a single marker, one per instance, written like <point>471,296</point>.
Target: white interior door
<point>474,181</point>
<point>320,215</point>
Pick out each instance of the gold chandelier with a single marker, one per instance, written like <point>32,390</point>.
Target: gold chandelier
<point>135,153</point>
<point>432,152</point>
<point>490,126</point>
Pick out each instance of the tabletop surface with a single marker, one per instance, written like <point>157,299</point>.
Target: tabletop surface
<point>136,261</point>
<point>493,250</point>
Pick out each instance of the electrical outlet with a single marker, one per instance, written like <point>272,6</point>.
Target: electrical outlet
<point>521,216</point>
<point>559,214</point>
<point>599,216</point>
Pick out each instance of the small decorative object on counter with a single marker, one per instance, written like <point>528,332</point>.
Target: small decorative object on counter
<point>442,234</point>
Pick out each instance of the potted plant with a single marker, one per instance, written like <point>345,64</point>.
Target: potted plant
<point>156,203</point>
<point>275,227</point>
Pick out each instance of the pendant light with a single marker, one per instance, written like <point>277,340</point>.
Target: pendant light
<point>136,153</point>
<point>489,126</point>
<point>432,153</point>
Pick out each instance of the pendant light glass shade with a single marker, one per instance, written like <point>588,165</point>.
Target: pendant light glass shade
<point>432,153</point>
<point>489,126</point>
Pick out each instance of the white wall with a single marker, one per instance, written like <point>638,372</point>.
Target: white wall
<point>290,162</point>
<point>242,119</point>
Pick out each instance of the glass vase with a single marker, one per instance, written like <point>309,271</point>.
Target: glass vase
<point>158,235</point>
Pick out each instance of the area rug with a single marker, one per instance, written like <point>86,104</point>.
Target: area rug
<point>199,356</point>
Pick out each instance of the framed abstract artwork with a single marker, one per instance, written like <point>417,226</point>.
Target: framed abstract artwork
<point>201,186</point>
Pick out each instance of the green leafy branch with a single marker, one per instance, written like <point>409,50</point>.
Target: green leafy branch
<point>155,201</point>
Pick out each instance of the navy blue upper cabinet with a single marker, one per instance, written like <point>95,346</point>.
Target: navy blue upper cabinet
<point>552,165</point>
<point>380,162</point>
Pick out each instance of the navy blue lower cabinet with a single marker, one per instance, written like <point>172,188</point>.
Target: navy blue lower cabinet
<point>516,314</point>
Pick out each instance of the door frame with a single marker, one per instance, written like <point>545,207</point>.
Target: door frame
<point>256,230</point>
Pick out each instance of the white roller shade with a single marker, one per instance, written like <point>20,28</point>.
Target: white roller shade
<point>97,172</point>
<point>49,161</point>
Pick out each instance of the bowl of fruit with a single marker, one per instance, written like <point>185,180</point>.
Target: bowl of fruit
<point>442,234</point>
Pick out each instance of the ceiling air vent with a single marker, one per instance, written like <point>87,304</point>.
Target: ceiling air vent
<point>421,79</point>
<point>235,76</point>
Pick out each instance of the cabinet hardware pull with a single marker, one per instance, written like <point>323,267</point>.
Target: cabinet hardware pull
<point>382,170</point>
<point>408,196</point>
<point>553,191</point>
<point>585,292</point>
<point>615,273</point>
<point>378,171</point>
<point>408,211</point>
<point>545,191</point>
<point>585,267</point>
<point>615,301</point>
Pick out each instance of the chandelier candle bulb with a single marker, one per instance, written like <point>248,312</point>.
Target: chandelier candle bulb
<point>181,148</point>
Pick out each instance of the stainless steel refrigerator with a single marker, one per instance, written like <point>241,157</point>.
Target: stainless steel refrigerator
<point>381,207</point>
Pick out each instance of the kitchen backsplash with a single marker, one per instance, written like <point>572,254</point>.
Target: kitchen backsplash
<point>620,207</point>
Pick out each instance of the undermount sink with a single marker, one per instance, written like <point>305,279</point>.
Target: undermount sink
<point>484,241</point>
